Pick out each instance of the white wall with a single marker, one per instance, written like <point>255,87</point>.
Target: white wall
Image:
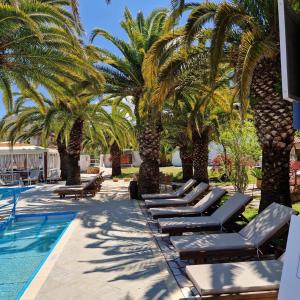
<point>84,162</point>
<point>106,162</point>
<point>176,161</point>
<point>214,150</point>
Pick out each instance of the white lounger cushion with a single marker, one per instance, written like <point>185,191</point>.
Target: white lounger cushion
<point>187,222</point>
<point>187,199</point>
<point>265,225</point>
<point>206,202</point>
<point>218,218</point>
<point>165,202</point>
<point>209,242</point>
<point>233,278</point>
<point>180,192</point>
<point>231,207</point>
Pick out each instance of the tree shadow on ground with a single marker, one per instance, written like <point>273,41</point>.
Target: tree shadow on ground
<point>116,229</point>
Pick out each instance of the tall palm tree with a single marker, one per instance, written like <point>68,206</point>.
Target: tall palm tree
<point>106,123</point>
<point>175,123</point>
<point>255,56</point>
<point>183,75</point>
<point>125,79</point>
<point>120,134</point>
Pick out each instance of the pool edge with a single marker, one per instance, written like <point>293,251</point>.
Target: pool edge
<point>39,277</point>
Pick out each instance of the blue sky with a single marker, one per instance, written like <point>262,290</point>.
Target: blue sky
<point>96,13</point>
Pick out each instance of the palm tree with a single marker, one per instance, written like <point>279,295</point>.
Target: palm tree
<point>121,133</point>
<point>175,123</point>
<point>125,79</point>
<point>183,75</point>
<point>255,55</point>
<point>106,122</point>
<point>39,44</point>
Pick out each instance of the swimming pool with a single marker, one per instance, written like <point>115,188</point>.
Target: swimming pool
<point>24,246</point>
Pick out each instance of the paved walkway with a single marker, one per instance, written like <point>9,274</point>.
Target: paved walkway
<point>110,255</point>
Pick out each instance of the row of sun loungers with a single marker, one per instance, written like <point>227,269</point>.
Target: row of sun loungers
<point>188,199</point>
<point>234,280</point>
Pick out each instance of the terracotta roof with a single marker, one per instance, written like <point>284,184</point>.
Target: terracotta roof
<point>8,144</point>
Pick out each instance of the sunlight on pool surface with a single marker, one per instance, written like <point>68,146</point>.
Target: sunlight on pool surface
<point>24,246</point>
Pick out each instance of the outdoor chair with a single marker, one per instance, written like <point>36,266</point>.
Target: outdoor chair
<point>209,201</point>
<point>34,177</point>
<point>250,240</point>
<point>54,176</point>
<point>177,194</point>
<point>88,189</point>
<point>186,200</point>
<point>240,280</point>
<point>224,215</point>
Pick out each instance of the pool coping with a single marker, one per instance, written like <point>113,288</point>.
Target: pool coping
<point>41,274</point>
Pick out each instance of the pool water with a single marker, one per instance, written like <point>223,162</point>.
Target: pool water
<point>24,246</point>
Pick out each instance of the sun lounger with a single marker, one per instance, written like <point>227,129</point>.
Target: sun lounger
<point>241,280</point>
<point>229,211</point>
<point>252,239</point>
<point>207,202</point>
<point>88,189</point>
<point>54,176</point>
<point>34,177</point>
<point>186,200</point>
<point>177,194</point>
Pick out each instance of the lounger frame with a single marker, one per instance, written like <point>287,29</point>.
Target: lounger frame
<point>208,211</point>
<point>84,191</point>
<point>263,295</point>
<point>201,257</point>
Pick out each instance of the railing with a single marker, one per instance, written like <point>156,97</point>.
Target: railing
<point>10,177</point>
<point>9,198</point>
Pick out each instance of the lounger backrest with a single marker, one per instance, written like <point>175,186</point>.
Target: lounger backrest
<point>90,184</point>
<point>267,223</point>
<point>231,207</point>
<point>34,174</point>
<point>185,187</point>
<point>210,199</point>
<point>196,192</point>
<point>55,174</point>
<point>2,182</point>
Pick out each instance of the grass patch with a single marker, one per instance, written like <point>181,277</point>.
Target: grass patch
<point>175,172</point>
<point>128,172</point>
<point>251,212</point>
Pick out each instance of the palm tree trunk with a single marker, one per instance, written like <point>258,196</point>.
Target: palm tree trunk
<point>62,150</point>
<point>274,125</point>
<point>115,153</point>
<point>73,152</point>
<point>200,156</point>
<point>149,143</point>
<point>187,163</point>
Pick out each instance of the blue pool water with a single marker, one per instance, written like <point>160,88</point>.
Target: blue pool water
<point>25,244</point>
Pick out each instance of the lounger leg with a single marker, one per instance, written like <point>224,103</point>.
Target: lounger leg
<point>198,261</point>
<point>175,233</point>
